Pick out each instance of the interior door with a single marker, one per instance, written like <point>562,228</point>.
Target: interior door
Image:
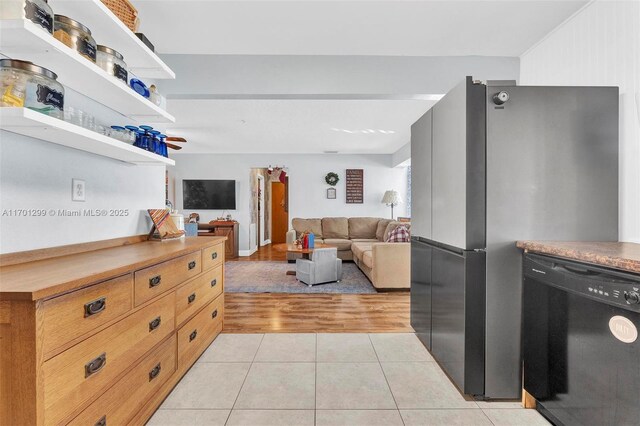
<point>279,215</point>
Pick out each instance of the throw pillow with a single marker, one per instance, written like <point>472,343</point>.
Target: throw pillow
<point>393,225</point>
<point>399,235</point>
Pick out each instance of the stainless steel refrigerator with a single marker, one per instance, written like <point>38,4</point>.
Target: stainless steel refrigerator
<point>492,163</point>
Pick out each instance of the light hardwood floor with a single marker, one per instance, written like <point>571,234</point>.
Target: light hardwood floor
<point>309,313</point>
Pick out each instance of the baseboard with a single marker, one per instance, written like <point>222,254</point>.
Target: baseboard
<point>247,253</point>
<point>267,242</point>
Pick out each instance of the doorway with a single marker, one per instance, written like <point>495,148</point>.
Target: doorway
<point>279,211</point>
<point>262,231</point>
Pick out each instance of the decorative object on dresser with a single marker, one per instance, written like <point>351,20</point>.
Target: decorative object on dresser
<point>100,333</point>
<point>391,198</point>
<point>163,225</point>
<point>355,186</point>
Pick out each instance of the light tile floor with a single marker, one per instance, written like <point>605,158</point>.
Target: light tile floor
<point>326,380</point>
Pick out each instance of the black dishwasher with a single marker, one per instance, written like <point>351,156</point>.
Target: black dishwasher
<point>581,353</point>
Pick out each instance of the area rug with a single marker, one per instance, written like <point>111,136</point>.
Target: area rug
<point>270,277</point>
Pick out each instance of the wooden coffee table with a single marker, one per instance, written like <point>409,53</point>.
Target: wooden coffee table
<point>294,248</point>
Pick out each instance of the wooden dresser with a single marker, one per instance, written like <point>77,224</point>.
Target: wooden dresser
<point>101,337</point>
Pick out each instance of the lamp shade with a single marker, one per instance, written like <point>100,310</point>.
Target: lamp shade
<point>392,198</point>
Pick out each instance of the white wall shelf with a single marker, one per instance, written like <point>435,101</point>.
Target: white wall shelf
<point>31,123</point>
<point>22,39</point>
<point>109,30</point>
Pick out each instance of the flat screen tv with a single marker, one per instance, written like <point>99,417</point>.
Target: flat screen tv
<point>209,194</point>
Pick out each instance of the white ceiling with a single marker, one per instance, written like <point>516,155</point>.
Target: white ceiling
<point>394,28</point>
<point>328,27</point>
<point>294,126</point>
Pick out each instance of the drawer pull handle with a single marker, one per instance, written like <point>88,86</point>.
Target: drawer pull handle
<point>192,264</point>
<point>191,298</point>
<point>155,281</point>
<point>95,365</point>
<point>102,421</point>
<point>155,323</point>
<point>214,282</point>
<point>193,335</point>
<point>214,255</point>
<point>214,314</point>
<point>95,306</point>
<point>154,372</point>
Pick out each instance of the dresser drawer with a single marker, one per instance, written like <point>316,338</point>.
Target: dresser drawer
<point>123,400</point>
<point>198,292</point>
<point>199,331</point>
<point>152,281</point>
<point>72,315</point>
<point>76,375</point>
<point>212,256</point>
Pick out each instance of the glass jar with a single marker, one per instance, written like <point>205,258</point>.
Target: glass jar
<point>155,96</point>
<point>75,35</point>
<point>118,132</point>
<point>112,62</point>
<point>36,11</point>
<point>133,133</point>
<point>24,84</point>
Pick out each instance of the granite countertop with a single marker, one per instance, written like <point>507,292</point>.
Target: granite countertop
<point>622,256</point>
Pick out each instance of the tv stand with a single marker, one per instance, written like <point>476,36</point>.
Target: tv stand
<point>223,228</point>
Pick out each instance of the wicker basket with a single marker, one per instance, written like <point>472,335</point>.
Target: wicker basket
<point>124,11</point>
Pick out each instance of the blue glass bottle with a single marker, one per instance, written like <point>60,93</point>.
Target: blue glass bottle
<point>146,141</point>
<point>155,141</point>
<point>139,141</point>
<point>163,145</point>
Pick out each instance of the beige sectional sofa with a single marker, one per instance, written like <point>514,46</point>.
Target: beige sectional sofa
<point>361,239</point>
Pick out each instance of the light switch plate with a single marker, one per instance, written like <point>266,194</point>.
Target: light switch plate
<point>77,190</point>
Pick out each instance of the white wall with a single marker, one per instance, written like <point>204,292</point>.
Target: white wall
<point>37,175</point>
<point>600,45</point>
<point>307,188</point>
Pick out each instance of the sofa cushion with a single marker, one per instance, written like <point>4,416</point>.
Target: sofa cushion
<point>367,258</point>
<point>393,225</point>
<point>335,227</point>
<point>363,227</point>
<point>360,247</point>
<point>341,243</point>
<point>307,225</point>
<point>364,240</point>
<point>382,227</point>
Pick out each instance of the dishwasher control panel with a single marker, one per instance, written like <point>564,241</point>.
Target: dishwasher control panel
<point>615,288</point>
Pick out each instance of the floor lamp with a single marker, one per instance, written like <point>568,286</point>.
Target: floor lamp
<point>391,198</point>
